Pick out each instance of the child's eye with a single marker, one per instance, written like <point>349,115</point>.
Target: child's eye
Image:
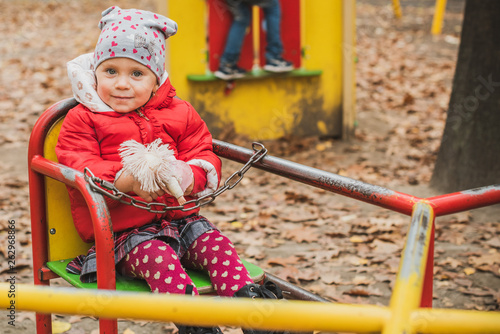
<point>110,71</point>
<point>137,74</point>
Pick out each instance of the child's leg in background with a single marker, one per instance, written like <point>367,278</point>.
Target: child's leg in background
<point>215,253</point>
<point>156,262</point>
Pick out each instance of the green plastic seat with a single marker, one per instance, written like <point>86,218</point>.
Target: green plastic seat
<point>200,280</point>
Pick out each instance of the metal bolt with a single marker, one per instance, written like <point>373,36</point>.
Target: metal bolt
<point>52,231</point>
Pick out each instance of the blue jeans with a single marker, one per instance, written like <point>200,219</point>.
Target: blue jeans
<point>242,15</point>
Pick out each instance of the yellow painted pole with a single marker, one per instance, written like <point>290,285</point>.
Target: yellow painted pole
<point>256,38</point>
<point>397,9</point>
<point>348,69</point>
<point>407,291</point>
<point>208,311</point>
<point>200,310</point>
<point>302,22</point>
<point>437,21</point>
<point>445,321</point>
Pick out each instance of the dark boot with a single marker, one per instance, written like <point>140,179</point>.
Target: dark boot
<point>198,330</point>
<point>194,329</point>
<point>268,290</point>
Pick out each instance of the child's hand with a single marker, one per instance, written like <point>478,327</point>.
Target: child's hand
<point>189,189</point>
<point>127,183</point>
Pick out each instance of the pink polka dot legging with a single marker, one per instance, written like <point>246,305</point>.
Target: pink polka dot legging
<point>156,262</point>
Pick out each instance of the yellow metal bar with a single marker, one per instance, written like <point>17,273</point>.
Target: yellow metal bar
<point>260,314</point>
<point>200,310</point>
<point>437,21</point>
<point>348,69</point>
<point>302,36</point>
<point>444,321</point>
<point>407,291</point>
<point>397,9</point>
<point>256,37</point>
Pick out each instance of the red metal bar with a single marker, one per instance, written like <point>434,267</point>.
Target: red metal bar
<point>38,167</point>
<point>428,288</point>
<point>365,192</point>
<point>103,231</point>
<point>46,274</point>
<point>465,200</point>
<point>37,202</point>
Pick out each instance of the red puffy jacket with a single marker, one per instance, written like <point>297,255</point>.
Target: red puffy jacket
<point>91,139</point>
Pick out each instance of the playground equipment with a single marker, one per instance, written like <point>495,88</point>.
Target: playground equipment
<point>315,99</point>
<point>437,20</point>
<point>55,240</point>
<point>408,312</point>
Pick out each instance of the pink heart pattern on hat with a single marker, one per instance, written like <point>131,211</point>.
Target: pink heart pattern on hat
<point>136,34</point>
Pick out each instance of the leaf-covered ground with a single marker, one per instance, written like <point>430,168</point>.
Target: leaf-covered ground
<point>337,247</point>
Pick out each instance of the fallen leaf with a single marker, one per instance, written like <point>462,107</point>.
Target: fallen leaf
<point>469,271</point>
<point>494,242</point>
<point>476,292</point>
<point>484,259</point>
<point>408,99</point>
<point>308,275</point>
<point>358,291</point>
<point>75,318</point>
<point>289,273</point>
<point>331,278</point>
<point>302,234</point>
<point>463,282</point>
<point>362,280</point>
<point>385,247</point>
<point>236,224</point>
<point>454,263</point>
<point>255,252</point>
<point>25,315</point>
<point>356,239</point>
<point>283,261</point>
<point>60,327</point>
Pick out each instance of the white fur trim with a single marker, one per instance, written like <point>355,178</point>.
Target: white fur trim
<point>212,178</point>
<point>81,73</point>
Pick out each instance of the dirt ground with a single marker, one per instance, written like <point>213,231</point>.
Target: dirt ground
<point>339,248</point>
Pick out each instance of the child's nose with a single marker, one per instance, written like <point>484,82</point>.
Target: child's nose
<point>122,82</point>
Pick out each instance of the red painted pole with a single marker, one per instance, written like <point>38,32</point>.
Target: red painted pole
<point>38,168</point>
<point>318,178</point>
<point>465,200</point>
<point>37,203</point>
<point>428,287</point>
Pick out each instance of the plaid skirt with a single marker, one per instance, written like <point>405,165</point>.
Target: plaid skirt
<point>179,234</point>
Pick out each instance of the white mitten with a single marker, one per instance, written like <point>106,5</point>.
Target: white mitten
<point>183,173</point>
<point>176,176</point>
<point>155,167</point>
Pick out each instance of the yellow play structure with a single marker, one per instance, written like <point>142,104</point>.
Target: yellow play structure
<point>315,99</point>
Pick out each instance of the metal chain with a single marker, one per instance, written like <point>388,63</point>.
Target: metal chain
<point>108,189</point>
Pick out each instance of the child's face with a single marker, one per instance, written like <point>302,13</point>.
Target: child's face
<point>124,84</point>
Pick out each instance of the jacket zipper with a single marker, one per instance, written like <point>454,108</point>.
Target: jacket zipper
<point>140,113</point>
<point>149,127</point>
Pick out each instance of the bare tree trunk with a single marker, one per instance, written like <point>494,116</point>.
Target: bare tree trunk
<point>469,155</point>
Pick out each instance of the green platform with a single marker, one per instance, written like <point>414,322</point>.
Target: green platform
<point>259,74</point>
<point>200,279</point>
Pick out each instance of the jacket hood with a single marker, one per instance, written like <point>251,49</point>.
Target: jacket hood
<point>83,84</point>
